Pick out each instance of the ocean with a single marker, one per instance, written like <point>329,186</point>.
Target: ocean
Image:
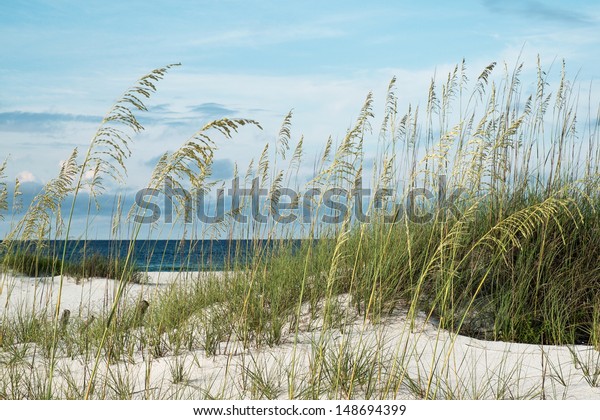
<point>165,255</point>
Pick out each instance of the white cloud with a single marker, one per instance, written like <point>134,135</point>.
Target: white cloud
<point>89,175</point>
<point>25,176</point>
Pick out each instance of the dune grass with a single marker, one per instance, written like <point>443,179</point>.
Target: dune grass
<point>513,259</point>
<point>36,264</point>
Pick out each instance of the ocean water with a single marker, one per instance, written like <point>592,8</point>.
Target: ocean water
<point>166,255</point>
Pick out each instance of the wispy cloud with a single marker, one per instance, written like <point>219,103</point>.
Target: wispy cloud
<point>19,121</point>
<point>164,108</point>
<point>213,110</point>
<point>164,114</point>
<point>537,10</point>
<point>268,36</point>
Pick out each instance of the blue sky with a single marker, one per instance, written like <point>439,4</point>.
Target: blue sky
<point>63,64</point>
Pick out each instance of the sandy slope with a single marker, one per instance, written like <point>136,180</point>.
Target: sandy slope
<point>19,292</point>
<point>404,358</point>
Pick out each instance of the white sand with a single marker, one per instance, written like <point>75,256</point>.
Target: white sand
<point>454,366</point>
<point>88,296</point>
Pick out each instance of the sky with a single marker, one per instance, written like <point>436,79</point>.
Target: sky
<point>64,63</point>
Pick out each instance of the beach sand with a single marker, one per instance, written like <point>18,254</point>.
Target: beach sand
<point>414,360</point>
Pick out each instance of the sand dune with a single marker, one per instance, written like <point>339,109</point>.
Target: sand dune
<point>412,361</point>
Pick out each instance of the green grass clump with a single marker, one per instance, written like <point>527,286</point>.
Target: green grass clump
<point>95,265</point>
<point>31,264</point>
<point>540,286</point>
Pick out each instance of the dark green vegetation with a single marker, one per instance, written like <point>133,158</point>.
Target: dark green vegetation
<point>39,265</point>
